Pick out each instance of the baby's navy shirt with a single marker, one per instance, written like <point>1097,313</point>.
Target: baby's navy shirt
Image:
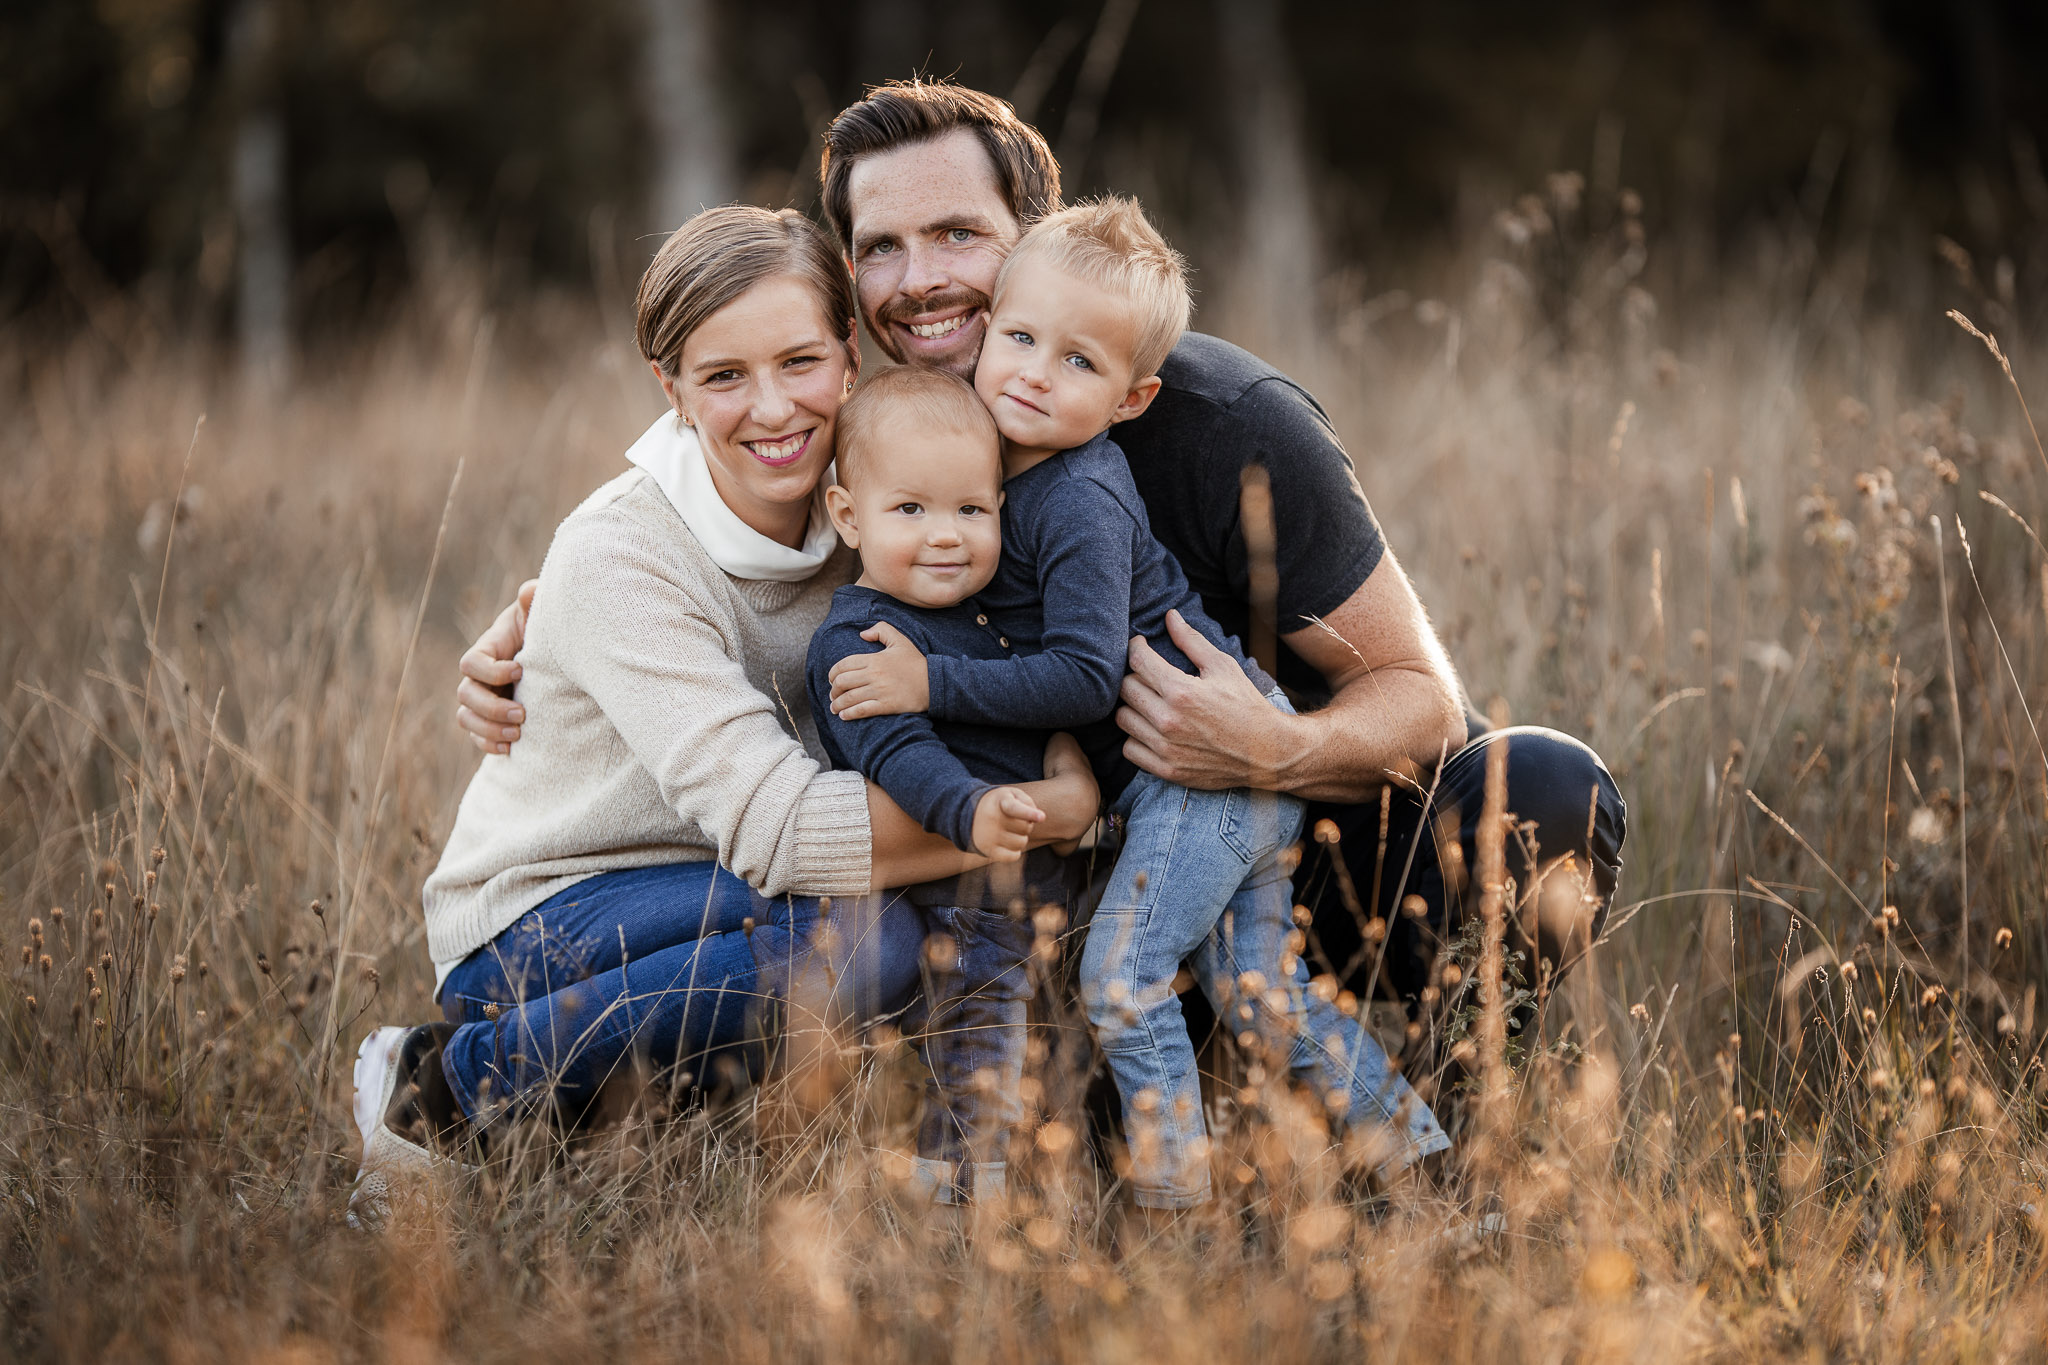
<point>936,770</point>
<point>1081,573</point>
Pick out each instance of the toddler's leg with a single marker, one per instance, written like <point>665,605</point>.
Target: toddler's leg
<point>1258,983</point>
<point>977,983</point>
<point>1185,854</point>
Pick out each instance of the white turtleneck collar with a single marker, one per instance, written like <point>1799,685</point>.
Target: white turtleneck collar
<point>670,451</point>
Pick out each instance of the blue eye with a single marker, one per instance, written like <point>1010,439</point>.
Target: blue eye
<point>1082,361</point>
<point>1021,338</point>
<point>960,234</point>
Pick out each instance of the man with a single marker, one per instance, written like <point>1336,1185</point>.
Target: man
<point>928,184</point>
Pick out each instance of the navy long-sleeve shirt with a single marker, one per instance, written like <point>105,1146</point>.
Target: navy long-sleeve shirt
<point>936,770</point>
<point>1081,573</point>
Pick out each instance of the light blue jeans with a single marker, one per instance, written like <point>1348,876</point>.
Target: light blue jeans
<point>1190,858</point>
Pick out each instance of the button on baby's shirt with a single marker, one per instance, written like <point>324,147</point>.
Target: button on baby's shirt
<point>981,620</point>
<point>1003,640</point>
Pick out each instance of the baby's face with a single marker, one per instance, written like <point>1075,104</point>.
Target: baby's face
<point>923,513</point>
<point>1057,362</point>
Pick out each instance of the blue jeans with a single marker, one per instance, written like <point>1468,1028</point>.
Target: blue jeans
<point>682,966</point>
<point>977,982</point>
<point>1190,858</point>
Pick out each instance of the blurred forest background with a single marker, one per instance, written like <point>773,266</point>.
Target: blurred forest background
<point>269,169</point>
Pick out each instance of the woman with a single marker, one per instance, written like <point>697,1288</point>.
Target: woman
<point>641,874</point>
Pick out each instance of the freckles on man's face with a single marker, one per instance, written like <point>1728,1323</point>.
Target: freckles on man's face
<point>930,231</point>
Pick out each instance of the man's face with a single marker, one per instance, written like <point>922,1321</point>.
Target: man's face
<point>930,230</point>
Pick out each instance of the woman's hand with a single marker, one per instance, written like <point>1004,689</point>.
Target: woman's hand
<point>483,698</point>
<point>1068,794</point>
<point>1003,821</point>
<point>892,681</point>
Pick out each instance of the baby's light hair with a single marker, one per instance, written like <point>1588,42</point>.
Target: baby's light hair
<point>1109,243</point>
<point>931,399</point>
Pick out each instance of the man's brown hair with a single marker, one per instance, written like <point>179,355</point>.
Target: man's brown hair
<point>899,113</point>
<point>931,399</point>
<point>719,255</point>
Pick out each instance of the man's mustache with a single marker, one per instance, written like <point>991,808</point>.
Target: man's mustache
<point>902,308</point>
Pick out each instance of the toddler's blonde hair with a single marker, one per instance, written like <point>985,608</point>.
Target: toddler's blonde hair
<point>1109,243</point>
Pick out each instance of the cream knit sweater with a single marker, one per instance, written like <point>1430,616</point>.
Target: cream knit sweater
<point>666,722</point>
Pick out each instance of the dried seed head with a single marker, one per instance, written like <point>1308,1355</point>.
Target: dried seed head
<point>1929,996</point>
<point>35,928</point>
<point>1849,972</point>
<point>92,978</point>
<point>1639,1012</point>
<point>1414,906</point>
<point>1869,1017</point>
<point>318,913</point>
<point>157,856</point>
<point>2004,938</point>
<point>43,964</point>
<point>57,914</point>
<point>370,975</point>
<point>149,880</point>
<point>33,1006</point>
<point>177,969</point>
<point>263,963</point>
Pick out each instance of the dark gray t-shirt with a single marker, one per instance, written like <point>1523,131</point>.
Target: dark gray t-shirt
<point>1220,409</point>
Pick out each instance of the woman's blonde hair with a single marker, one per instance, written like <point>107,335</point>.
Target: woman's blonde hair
<point>1109,243</point>
<point>722,253</point>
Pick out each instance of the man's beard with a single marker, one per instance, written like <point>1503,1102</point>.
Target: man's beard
<point>900,309</point>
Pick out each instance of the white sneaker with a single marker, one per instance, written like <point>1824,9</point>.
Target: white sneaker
<point>387,1157</point>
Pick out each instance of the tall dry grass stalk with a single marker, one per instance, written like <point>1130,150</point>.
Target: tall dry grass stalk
<point>1790,1103</point>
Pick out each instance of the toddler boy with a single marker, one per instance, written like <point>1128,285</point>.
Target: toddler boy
<point>1085,310</point>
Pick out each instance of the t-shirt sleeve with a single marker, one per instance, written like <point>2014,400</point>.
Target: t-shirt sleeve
<point>1083,553</point>
<point>901,754</point>
<point>1326,539</point>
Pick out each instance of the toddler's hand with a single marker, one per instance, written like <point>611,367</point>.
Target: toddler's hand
<point>892,681</point>
<point>1003,821</point>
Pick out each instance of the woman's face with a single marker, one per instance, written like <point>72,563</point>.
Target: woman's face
<point>761,380</point>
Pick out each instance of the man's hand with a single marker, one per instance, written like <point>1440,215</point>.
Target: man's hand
<point>1003,821</point>
<point>483,698</point>
<point>892,681</point>
<point>1211,732</point>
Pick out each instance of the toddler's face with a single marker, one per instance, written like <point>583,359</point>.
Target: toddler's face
<point>1056,366</point>
<point>923,513</point>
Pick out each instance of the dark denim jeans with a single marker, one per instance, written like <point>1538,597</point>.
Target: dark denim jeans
<point>681,966</point>
<point>1561,796</point>
<point>978,982</point>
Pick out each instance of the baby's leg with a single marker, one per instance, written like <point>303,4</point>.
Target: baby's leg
<point>1184,857</point>
<point>977,983</point>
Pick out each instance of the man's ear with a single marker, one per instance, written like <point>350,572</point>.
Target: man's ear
<point>839,507</point>
<point>1137,400</point>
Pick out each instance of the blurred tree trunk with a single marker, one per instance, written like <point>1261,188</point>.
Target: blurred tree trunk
<point>692,141</point>
<point>258,189</point>
<point>1271,293</point>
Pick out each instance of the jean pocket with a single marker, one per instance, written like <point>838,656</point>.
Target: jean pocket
<point>1250,823</point>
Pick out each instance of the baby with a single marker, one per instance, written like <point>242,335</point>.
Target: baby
<point>918,493</point>
<point>1086,308</point>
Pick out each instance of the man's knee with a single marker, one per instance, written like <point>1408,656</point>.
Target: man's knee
<point>1558,785</point>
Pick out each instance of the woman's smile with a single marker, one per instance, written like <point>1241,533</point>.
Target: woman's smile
<point>781,451</point>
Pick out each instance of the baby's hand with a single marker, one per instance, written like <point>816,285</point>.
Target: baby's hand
<point>1003,821</point>
<point>892,681</point>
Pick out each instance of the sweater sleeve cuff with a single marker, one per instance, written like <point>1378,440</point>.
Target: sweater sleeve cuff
<point>835,843</point>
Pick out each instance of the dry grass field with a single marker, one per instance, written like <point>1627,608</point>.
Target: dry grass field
<point>1766,535</point>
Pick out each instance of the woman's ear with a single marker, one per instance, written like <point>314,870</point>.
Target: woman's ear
<point>839,507</point>
<point>668,388</point>
<point>1137,400</point>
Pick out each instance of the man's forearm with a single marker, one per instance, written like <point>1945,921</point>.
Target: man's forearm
<point>1392,721</point>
